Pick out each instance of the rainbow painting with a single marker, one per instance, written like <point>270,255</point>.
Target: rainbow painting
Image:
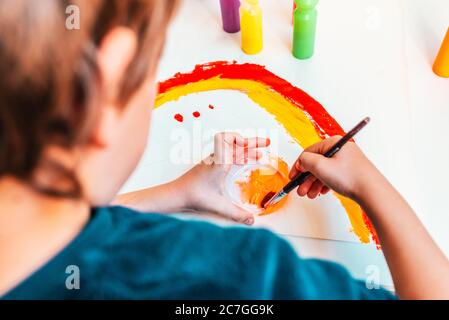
<point>303,118</point>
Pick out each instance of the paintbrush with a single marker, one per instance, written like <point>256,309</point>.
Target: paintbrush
<point>271,199</point>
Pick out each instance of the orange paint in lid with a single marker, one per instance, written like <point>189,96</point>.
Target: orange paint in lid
<point>248,185</point>
<point>263,181</point>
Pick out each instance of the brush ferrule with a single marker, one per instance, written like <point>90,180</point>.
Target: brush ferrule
<point>275,199</point>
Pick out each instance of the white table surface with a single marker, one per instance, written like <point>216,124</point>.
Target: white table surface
<point>373,57</point>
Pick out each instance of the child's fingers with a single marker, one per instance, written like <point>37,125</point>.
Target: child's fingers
<point>315,189</point>
<point>231,147</point>
<point>256,142</point>
<point>325,190</point>
<point>229,138</point>
<point>305,187</point>
<point>296,169</point>
<point>247,156</point>
<point>225,145</point>
<point>235,213</point>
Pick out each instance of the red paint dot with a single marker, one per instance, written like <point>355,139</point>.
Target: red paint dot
<point>211,107</point>
<point>179,117</point>
<point>196,114</point>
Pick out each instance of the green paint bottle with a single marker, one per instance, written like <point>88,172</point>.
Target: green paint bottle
<point>304,28</point>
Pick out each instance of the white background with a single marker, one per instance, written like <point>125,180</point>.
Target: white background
<point>373,57</point>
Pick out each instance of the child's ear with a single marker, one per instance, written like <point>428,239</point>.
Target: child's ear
<point>115,53</point>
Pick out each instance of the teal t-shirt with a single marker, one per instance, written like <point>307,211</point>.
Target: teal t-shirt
<point>123,254</point>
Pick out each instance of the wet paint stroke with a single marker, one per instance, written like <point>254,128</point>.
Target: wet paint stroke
<point>262,182</point>
<point>196,114</point>
<point>178,117</point>
<point>304,118</point>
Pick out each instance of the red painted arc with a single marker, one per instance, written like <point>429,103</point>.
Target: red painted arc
<point>324,123</point>
<point>322,120</point>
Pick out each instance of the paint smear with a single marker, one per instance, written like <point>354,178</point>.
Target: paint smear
<point>304,118</point>
<point>262,182</point>
<point>179,117</point>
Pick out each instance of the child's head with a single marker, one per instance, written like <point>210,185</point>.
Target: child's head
<point>75,104</point>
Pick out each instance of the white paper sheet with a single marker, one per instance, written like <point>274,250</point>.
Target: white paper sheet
<point>358,70</point>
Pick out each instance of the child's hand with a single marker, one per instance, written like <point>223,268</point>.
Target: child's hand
<point>206,181</point>
<point>346,172</point>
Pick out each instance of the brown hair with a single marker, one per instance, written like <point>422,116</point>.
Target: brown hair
<point>49,76</point>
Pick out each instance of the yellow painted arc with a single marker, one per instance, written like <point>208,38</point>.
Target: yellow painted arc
<point>294,120</point>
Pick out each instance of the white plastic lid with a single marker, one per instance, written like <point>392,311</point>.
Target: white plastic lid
<point>241,173</point>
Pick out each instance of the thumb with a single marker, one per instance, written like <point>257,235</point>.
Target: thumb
<point>224,207</point>
<point>241,216</point>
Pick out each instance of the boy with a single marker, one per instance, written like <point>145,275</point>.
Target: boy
<point>73,125</point>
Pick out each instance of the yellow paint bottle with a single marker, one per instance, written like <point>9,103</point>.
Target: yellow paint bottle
<point>251,26</point>
<point>441,65</point>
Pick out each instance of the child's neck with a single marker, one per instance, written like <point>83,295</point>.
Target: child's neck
<point>33,228</point>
